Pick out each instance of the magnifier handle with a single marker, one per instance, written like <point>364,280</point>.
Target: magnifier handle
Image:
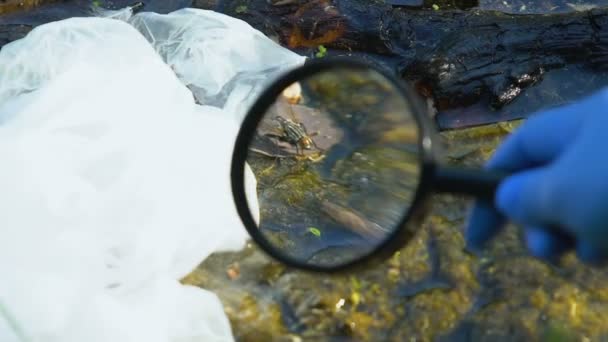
<point>481,184</point>
<point>476,182</point>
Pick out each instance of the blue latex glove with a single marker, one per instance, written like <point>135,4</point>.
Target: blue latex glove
<point>559,160</point>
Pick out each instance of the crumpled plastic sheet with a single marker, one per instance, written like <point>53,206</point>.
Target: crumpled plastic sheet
<point>232,86</point>
<point>115,183</point>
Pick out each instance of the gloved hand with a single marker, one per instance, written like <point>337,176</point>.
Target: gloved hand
<point>558,190</point>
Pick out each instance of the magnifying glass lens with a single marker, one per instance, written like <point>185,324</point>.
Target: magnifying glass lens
<point>337,161</point>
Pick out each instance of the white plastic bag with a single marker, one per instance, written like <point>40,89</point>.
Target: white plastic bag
<point>223,60</point>
<point>115,184</point>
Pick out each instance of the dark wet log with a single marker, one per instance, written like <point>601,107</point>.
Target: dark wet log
<point>475,65</point>
<point>500,55</point>
<point>9,33</point>
<point>459,58</point>
<point>53,10</point>
<point>432,4</point>
<point>21,19</point>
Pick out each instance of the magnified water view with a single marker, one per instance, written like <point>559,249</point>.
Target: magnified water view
<point>336,160</point>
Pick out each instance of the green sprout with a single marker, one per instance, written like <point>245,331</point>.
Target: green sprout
<point>436,7</point>
<point>315,231</point>
<point>322,51</point>
<point>241,9</point>
<point>96,3</point>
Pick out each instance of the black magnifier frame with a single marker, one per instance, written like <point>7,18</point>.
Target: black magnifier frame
<point>433,178</point>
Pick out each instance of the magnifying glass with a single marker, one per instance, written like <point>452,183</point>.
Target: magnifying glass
<point>345,158</point>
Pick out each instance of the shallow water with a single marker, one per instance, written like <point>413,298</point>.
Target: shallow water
<point>558,87</point>
<point>360,189</point>
<point>432,289</point>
